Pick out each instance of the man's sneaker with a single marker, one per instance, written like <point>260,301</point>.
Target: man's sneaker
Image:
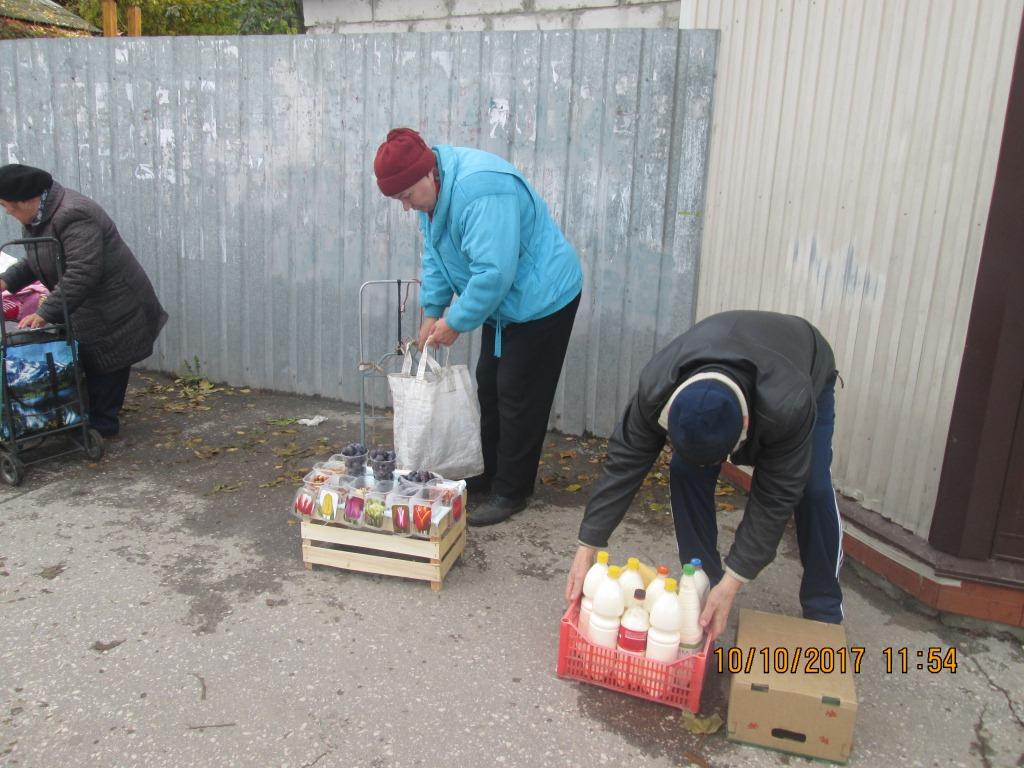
<point>497,509</point>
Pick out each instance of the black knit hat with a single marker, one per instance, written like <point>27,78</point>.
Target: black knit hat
<point>22,182</point>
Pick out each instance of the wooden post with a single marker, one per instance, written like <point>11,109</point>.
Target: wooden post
<point>134,21</point>
<point>109,18</point>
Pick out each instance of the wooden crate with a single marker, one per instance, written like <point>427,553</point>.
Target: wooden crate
<point>369,551</point>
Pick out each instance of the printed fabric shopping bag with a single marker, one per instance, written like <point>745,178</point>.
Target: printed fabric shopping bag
<point>437,418</point>
<point>40,388</point>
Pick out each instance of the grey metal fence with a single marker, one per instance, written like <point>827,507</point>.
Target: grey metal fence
<point>240,171</point>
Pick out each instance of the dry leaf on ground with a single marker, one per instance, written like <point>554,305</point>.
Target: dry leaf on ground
<point>700,725</point>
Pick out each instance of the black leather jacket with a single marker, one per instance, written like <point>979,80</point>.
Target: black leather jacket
<point>782,363</point>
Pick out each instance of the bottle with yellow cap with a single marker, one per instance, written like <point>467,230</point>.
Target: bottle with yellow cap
<point>666,621</point>
<point>609,603</point>
<point>597,573</point>
<point>631,581</point>
<point>656,588</point>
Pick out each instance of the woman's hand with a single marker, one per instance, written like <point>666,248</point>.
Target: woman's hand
<point>577,573</point>
<point>442,334</point>
<point>32,321</point>
<point>425,328</point>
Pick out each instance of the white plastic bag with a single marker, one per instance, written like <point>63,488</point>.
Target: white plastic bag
<point>437,418</point>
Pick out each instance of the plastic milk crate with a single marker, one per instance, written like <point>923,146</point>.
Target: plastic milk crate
<point>677,684</point>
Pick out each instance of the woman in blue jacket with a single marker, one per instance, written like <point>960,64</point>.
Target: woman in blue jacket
<point>489,237</point>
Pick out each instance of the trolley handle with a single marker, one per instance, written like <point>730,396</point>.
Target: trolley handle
<point>60,262</point>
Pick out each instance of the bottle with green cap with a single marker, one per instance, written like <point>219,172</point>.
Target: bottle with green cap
<point>691,636</point>
<point>700,577</point>
<point>597,573</point>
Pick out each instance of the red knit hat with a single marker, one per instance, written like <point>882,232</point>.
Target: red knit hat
<point>402,160</point>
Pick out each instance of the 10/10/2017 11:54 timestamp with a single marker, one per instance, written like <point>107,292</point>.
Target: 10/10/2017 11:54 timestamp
<point>825,660</point>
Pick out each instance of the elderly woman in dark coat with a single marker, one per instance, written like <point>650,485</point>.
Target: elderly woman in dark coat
<point>115,314</point>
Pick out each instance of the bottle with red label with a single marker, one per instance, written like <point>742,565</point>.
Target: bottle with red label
<point>632,643</point>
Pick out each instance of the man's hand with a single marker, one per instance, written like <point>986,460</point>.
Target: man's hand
<point>716,611</point>
<point>31,321</point>
<point>577,573</point>
<point>442,335</point>
<point>425,328</point>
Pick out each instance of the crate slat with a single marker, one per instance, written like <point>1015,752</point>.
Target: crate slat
<point>358,561</point>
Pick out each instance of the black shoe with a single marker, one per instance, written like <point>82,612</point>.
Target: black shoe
<point>478,484</point>
<point>497,509</point>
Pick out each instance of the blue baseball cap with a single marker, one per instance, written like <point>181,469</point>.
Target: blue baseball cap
<point>705,422</point>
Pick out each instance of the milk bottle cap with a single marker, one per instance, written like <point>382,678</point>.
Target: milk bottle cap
<point>663,570</point>
<point>639,595</point>
<point>602,557</point>
<point>633,564</point>
<point>614,571</point>
<point>688,570</point>
<point>670,585</point>
<point>696,563</point>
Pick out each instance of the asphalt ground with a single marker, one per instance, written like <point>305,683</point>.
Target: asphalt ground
<point>155,611</point>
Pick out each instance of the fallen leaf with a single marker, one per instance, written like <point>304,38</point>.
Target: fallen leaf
<point>281,422</point>
<point>205,453</point>
<point>292,450</point>
<point>700,725</point>
<point>725,506</point>
<point>52,571</point>
<point>567,455</point>
<point>656,507</point>
<point>225,488</point>
<point>573,488</point>
<point>724,490</point>
<point>104,647</point>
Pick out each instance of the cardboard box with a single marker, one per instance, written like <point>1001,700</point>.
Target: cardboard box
<point>792,686</point>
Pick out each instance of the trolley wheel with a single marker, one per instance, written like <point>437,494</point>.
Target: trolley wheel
<point>11,469</point>
<point>94,448</point>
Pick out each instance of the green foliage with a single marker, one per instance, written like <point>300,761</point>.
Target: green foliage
<point>201,17</point>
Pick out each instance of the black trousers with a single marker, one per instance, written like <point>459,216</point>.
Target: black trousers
<point>516,391</point>
<point>106,396</point>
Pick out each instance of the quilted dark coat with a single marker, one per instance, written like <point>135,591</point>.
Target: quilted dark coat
<point>115,314</point>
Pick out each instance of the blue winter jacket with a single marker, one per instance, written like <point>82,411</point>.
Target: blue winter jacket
<point>492,241</point>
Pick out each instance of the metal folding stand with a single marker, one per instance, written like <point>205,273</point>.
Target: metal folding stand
<point>368,368</point>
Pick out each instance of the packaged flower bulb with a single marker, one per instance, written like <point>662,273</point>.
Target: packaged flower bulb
<point>400,507</point>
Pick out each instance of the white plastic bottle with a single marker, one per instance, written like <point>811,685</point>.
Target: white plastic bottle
<point>591,581</point>
<point>609,603</point>
<point>631,581</point>
<point>656,588</point>
<point>703,582</point>
<point>663,637</point>
<point>632,642</point>
<point>691,636</point>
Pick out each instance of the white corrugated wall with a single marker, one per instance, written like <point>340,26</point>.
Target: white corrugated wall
<point>853,153</point>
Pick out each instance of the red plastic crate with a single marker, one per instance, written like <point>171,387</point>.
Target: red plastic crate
<point>677,684</point>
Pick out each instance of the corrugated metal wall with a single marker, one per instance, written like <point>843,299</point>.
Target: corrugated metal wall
<point>240,171</point>
<point>853,156</point>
